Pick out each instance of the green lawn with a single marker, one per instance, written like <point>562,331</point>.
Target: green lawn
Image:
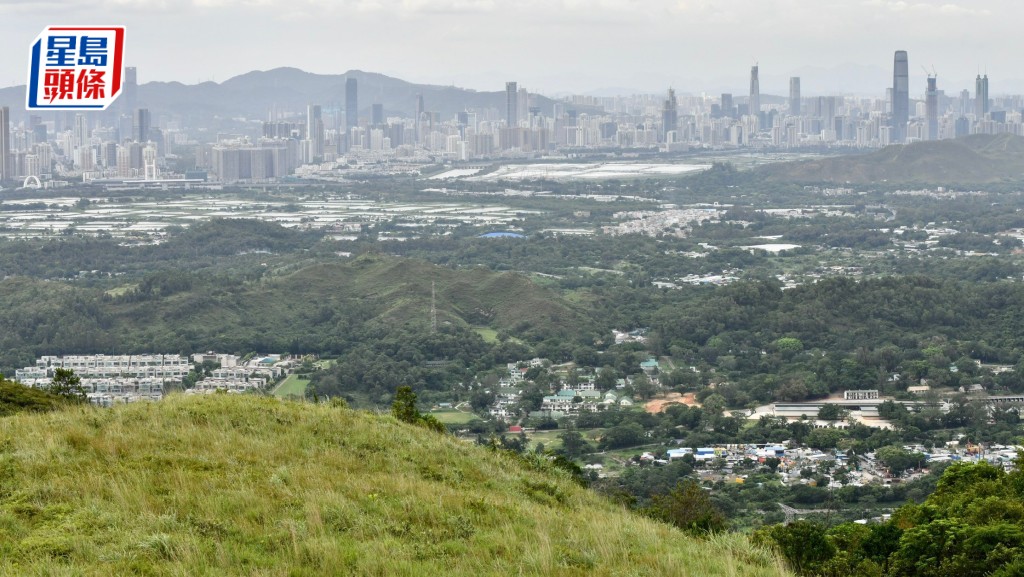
<point>548,438</point>
<point>453,417</point>
<point>551,438</point>
<point>293,385</point>
<point>489,335</point>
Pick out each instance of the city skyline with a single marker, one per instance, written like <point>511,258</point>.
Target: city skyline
<point>488,41</point>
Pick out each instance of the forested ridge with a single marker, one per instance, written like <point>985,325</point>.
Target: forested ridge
<point>326,308</point>
<point>847,333</point>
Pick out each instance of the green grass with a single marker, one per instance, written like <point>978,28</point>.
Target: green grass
<point>548,438</point>
<point>454,417</point>
<point>551,438</point>
<point>249,485</point>
<point>121,290</point>
<point>488,335</point>
<point>293,385</point>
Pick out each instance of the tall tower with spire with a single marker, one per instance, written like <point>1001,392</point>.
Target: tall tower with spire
<point>755,93</point>
<point>931,108</point>
<point>981,97</point>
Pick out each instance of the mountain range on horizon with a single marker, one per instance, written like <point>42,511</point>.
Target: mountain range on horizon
<point>288,91</point>
<point>841,79</point>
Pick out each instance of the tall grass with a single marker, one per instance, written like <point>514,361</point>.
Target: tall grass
<point>243,485</point>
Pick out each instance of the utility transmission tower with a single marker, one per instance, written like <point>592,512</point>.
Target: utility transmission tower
<point>433,308</point>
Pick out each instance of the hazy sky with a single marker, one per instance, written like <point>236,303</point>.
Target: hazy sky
<point>551,46</point>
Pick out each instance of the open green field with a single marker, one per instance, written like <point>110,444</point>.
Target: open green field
<point>551,438</point>
<point>293,385</point>
<point>453,416</point>
<point>121,290</point>
<point>548,438</point>
<point>489,335</point>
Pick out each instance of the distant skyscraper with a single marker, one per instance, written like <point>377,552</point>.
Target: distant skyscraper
<point>962,126</point>
<point>900,97</point>
<point>728,108</point>
<point>6,162</point>
<point>669,115</point>
<point>81,132</point>
<point>39,133</point>
<point>109,154</point>
<point>524,105</point>
<point>130,91</point>
<point>314,133</point>
<point>931,108</point>
<point>512,103</point>
<point>124,126</point>
<point>420,109</point>
<point>981,96</point>
<point>964,106</point>
<point>150,171</point>
<point>351,103</point>
<point>754,107</point>
<point>377,117</point>
<point>140,125</point>
<point>794,96</point>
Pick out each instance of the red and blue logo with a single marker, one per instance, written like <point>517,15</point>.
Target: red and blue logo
<point>75,68</point>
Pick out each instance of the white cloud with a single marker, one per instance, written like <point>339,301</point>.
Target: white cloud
<point>962,10</point>
<point>946,8</point>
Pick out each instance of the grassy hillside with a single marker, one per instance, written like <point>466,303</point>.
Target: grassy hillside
<point>972,160</point>
<point>231,485</point>
<point>477,296</point>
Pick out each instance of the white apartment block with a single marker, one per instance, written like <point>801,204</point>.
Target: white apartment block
<point>111,379</point>
<point>168,367</point>
<point>860,395</point>
<point>229,385</point>
<point>116,386</point>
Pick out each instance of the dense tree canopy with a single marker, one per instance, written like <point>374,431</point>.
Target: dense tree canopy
<point>971,525</point>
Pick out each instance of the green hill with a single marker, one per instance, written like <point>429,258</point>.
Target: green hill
<point>321,308</point>
<point>476,296</point>
<point>972,160</point>
<point>245,485</point>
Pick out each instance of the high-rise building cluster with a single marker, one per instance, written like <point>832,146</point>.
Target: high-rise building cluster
<point>119,143</point>
<point>131,142</point>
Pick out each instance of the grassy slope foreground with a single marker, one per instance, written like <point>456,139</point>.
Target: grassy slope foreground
<point>226,485</point>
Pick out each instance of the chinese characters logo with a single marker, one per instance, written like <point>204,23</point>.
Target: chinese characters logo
<point>75,68</point>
